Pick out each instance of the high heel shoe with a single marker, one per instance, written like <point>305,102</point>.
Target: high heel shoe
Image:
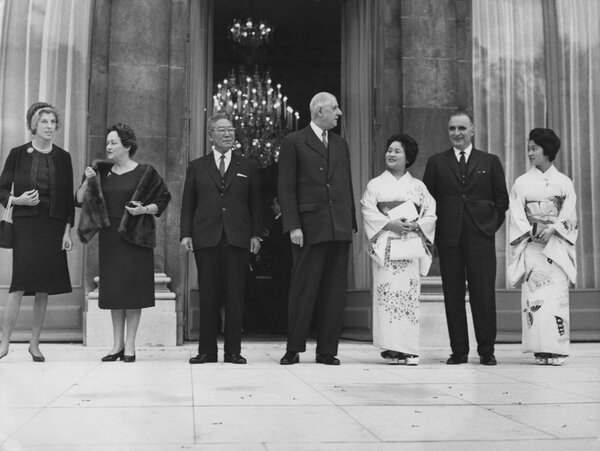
<point>112,357</point>
<point>37,358</point>
<point>128,358</point>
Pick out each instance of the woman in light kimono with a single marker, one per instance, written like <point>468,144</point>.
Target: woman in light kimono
<point>397,283</point>
<point>543,230</point>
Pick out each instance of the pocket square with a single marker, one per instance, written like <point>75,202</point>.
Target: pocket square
<point>239,174</point>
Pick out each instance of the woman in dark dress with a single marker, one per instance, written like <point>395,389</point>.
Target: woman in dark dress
<point>129,190</point>
<point>37,179</point>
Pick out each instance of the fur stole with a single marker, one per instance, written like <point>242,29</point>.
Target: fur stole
<point>94,214</point>
<point>139,230</point>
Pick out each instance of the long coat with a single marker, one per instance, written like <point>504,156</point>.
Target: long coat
<point>210,206</point>
<point>315,187</point>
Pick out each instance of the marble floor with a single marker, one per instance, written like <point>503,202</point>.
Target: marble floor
<point>161,403</point>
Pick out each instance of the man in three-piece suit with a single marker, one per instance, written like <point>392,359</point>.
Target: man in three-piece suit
<point>317,204</point>
<point>470,191</point>
<point>221,221</point>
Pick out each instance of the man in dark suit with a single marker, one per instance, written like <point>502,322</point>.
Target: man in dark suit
<point>221,219</point>
<point>470,191</point>
<point>317,204</point>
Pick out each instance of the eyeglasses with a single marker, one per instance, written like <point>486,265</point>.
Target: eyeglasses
<point>223,130</point>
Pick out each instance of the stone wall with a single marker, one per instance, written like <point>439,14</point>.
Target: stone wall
<point>436,70</point>
<point>138,76</point>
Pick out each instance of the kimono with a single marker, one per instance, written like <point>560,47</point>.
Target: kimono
<point>396,283</point>
<point>544,271</point>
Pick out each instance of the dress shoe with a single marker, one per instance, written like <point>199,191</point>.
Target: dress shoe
<point>129,358</point>
<point>327,359</point>
<point>37,358</point>
<point>488,359</point>
<point>203,358</point>
<point>289,358</point>
<point>234,358</point>
<point>457,359</point>
<point>112,357</point>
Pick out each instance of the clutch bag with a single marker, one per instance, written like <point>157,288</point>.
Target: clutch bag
<point>406,210</point>
<point>6,228</point>
<point>407,247</point>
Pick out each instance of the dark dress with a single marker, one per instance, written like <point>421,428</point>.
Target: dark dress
<point>39,263</point>
<point>126,270</point>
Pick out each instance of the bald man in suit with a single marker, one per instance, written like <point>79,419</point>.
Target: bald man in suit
<point>471,197</point>
<point>221,220</point>
<point>317,206</point>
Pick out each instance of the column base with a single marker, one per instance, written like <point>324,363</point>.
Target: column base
<point>158,324</point>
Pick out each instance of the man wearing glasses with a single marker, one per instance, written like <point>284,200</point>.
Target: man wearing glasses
<point>220,222</point>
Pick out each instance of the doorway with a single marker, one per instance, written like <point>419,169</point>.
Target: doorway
<point>303,56</point>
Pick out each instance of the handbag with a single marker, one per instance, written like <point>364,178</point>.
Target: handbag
<point>407,247</point>
<point>6,228</point>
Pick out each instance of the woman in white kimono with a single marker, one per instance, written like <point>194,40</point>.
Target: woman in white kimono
<point>397,208</point>
<point>543,230</point>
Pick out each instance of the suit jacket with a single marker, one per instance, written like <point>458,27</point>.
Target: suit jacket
<point>483,196</point>
<point>315,187</point>
<point>208,209</point>
<point>19,175</point>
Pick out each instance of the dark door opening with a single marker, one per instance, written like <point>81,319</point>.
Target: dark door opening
<point>303,56</point>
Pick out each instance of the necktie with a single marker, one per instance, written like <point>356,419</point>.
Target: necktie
<point>222,166</point>
<point>324,136</point>
<point>462,165</point>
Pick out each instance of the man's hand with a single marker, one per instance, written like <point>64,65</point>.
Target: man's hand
<point>186,244</point>
<point>254,245</point>
<point>67,242</point>
<point>297,237</point>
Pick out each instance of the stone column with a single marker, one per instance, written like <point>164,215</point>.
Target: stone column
<point>138,78</point>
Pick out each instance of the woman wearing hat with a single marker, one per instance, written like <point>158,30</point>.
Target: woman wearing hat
<point>37,180</point>
<point>543,230</point>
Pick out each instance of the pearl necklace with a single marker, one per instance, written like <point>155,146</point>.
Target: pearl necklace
<point>46,150</point>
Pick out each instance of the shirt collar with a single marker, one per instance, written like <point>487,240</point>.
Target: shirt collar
<point>318,130</point>
<point>217,156</point>
<point>467,152</point>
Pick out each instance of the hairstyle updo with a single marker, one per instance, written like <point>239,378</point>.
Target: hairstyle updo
<point>36,110</point>
<point>126,135</point>
<point>410,146</point>
<point>547,140</point>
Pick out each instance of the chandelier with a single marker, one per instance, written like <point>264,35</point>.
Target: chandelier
<point>249,34</point>
<point>259,111</point>
<point>260,114</point>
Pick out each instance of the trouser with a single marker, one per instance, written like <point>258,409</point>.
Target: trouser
<point>319,280</point>
<point>472,259</point>
<point>222,271</point>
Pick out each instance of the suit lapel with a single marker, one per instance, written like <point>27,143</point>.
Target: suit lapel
<point>315,143</point>
<point>451,161</point>
<point>232,171</point>
<point>211,168</point>
<point>336,152</point>
<point>473,162</point>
